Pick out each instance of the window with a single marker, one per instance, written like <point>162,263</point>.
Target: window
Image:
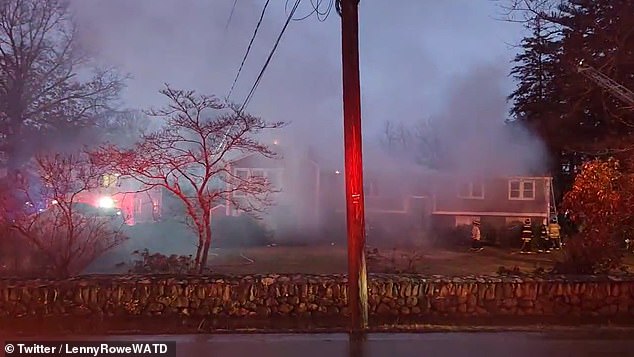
<point>241,174</point>
<point>472,190</point>
<point>273,177</point>
<point>521,190</point>
<point>109,180</point>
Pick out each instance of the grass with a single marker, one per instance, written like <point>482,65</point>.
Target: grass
<point>333,260</point>
<point>329,260</point>
<point>169,238</point>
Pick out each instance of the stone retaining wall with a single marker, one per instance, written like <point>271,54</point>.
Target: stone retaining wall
<point>324,296</point>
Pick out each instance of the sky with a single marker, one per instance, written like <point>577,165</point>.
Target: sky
<point>415,56</point>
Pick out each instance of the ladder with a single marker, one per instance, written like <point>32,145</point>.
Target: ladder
<point>552,206</point>
<point>605,82</point>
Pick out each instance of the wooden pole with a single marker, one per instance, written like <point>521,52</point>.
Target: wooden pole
<point>357,274</point>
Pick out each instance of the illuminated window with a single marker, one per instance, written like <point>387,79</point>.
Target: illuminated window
<point>521,189</point>
<point>109,180</point>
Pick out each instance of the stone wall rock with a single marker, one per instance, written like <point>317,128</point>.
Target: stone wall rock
<point>315,296</point>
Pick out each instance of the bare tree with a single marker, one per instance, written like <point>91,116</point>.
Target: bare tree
<point>524,11</point>
<point>48,85</point>
<point>419,142</point>
<point>191,156</point>
<point>69,237</point>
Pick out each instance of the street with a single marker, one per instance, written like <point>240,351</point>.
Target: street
<point>587,342</point>
<point>432,344</point>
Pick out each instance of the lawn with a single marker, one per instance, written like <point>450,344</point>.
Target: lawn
<point>328,259</point>
<point>169,238</point>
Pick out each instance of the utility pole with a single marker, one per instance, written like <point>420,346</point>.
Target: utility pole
<point>357,273</point>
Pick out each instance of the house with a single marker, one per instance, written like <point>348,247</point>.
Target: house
<point>495,201</point>
<point>396,203</point>
<point>136,205</point>
<point>400,200</point>
<point>295,180</point>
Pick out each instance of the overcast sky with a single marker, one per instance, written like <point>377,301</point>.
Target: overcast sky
<point>412,54</point>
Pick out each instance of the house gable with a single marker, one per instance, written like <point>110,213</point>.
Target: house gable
<point>257,161</point>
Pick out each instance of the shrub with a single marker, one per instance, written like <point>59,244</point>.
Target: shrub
<point>454,236</point>
<point>510,235</point>
<point>159,263</point>
<point>589,256</point>
<point>239,231</point>
<point>490,234</point>
<point>18,258</point>
<point>601,201</point>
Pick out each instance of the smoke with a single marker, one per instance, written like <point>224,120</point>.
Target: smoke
<point>445,62</point>
<point>472,134</point>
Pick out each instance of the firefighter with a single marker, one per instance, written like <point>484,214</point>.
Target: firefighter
<point>554,231</point>
<point>527,237</point>
<point>476,244</point>
<point>545,243</point>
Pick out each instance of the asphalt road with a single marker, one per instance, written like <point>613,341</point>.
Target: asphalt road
<point>514,344</point>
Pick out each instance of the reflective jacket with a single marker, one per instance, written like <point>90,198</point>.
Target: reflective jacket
<point>527,232</point>
<point>475,233</point>
<point>553,230</point>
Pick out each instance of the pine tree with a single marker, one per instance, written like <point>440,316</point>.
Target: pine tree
<point>601,34</point>
<point>533,99</point>
<point>576,118</point>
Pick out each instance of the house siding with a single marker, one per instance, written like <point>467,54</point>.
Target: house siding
<point>296,206</point>
<point>496,199</point>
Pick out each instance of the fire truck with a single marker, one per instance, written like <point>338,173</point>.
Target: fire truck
<point>616,89</point>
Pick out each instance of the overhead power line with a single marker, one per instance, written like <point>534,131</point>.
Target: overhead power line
<point>233,8</point>
<point>268,60</point>
<point>246,54</point>
<point>266,64</point>
<point>316,5</point>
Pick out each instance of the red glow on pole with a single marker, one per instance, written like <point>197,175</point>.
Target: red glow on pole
<point>357,274</point>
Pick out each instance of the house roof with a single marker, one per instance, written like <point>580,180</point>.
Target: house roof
<point>256,160</point>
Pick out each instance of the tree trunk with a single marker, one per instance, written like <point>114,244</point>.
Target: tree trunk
<point>206,246</point>
<point>199,249</point>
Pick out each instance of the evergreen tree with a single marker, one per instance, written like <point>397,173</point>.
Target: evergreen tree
<point>602,35</point>
<point>533,99</point>
<point>577,118</point>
